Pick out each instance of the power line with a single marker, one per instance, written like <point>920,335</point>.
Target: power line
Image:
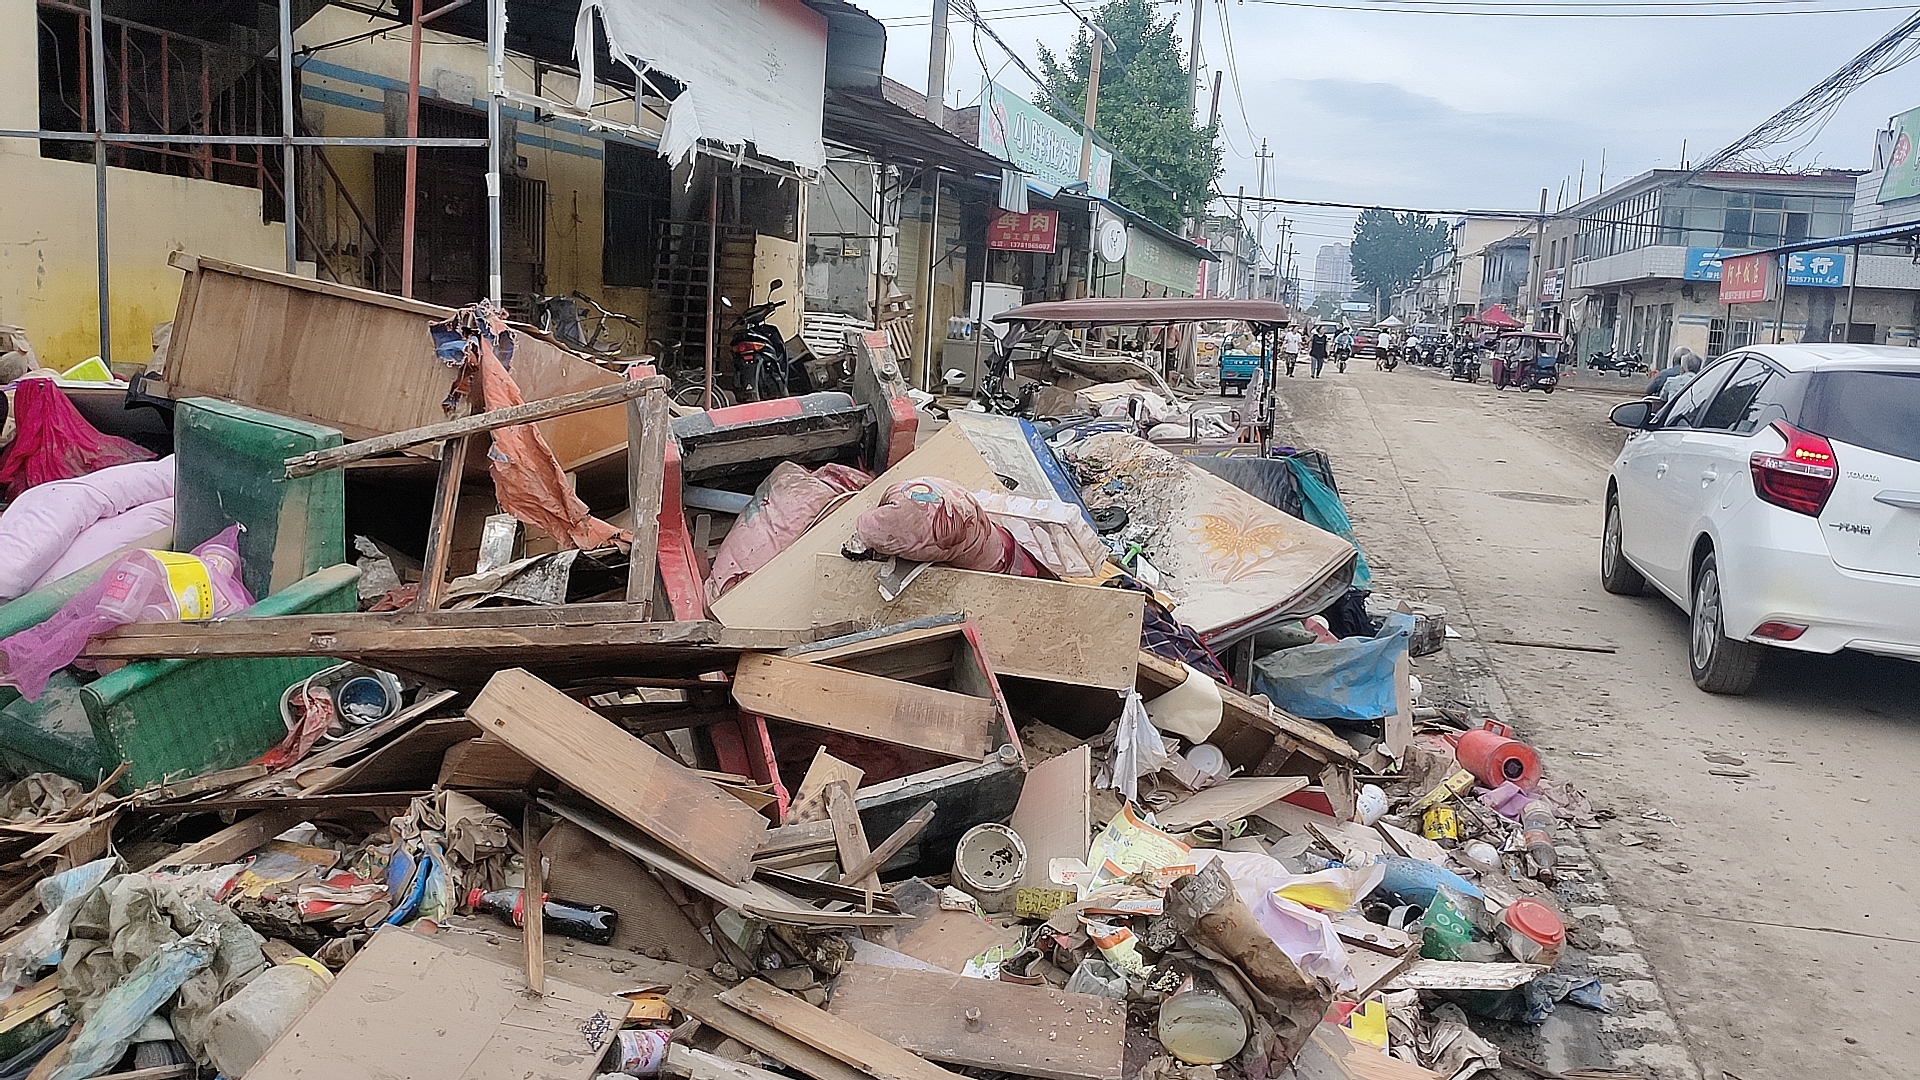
<point>1391,7</point>
<point>1516,215</point>
<point>1233,69</point>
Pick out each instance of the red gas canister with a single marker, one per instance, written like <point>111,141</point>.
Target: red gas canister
<point>1494,756</point>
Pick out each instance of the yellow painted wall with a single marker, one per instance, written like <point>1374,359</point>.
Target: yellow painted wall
<point>47,264</point>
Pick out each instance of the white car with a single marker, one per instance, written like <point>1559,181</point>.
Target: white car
<point>1776,499</point>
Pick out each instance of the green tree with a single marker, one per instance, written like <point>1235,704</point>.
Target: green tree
<point>1145,111</point>
<point>1390,249</point>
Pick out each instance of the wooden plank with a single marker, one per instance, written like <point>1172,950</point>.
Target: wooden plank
<point>420,1007</point>
<point>533,930</point>
<point>828,1033</point>
<point>647,432</point>
<point>698,995</point>
<point>1228,800</point>
<point>1398,729</point>
<point>233,841</point>
<point>486,763</point>
<point>1048,630</point>
<point>638,784</point>
<point>1464,975</point>
<point>755,898</point>
<point>1055,814</point>
<point>810,799</point>
<point>693,1064</point>
<point>1372,970</point>
<point>905,714</point>
<point>849,839</point>
<point>319,461</point>
<point>1248,725</point>
<point>779,596</point>
<point>891,846</point>
<point>1007,1027</point>
<point>948,939</point>
<point>446,505</point>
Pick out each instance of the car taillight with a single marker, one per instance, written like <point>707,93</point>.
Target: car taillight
<point>1801,476</point>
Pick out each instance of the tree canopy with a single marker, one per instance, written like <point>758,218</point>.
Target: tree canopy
<point>1389,249</point>
<point>1145,111</point>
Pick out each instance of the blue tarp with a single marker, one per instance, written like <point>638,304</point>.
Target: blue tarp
<point>1351,679</point>
<point>1323,508</point>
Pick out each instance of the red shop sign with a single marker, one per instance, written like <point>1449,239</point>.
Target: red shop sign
<point>1744,279</point>
<point>1035,231</point>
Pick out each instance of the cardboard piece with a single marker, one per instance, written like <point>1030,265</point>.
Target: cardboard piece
<point>1054,817</point>
<point>413,1006</point>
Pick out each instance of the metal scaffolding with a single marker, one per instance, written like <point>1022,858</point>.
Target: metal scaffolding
<point>287,140</point>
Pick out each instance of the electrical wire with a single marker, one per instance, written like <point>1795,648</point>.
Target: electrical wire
<point>1396,7</point>
<point>1233,71</point>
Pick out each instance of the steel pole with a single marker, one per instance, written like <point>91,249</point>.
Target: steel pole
<point>98,47</point>
<point>496,79</point>
<point>1093,108</point>
<point>1780,312</point>
<point>713,279</point>
<point>288,186</point>
<point>1853,284</point>
<point>937,66</point>
<point>412,189</point>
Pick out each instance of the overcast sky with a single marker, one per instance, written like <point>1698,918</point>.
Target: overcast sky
<point>1450,112</point>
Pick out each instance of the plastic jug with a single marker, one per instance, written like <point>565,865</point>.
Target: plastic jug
<point>246,1024</point>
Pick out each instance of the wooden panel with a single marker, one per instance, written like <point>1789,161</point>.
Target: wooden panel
<point>1248,725</point>
<point>1028,1030</point>
<point>1230,799</point>
<point>698,995</point>
<point>778,596</point>
<point>586,870</point>
<point>810,798</point>
<point>1077,634</point>
<point>393,1011</point>
<point>826,1032</point>
<point>638,784</point>
<point>905,714</point>
<point>1054,817</point>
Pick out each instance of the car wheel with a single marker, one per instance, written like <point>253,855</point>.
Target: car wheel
<point>1720,665</point>
<point>1617,575</point>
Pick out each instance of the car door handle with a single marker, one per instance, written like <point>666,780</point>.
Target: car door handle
<point>1707,478</point>
<point>1660,469</point>
<point>1905,500</point>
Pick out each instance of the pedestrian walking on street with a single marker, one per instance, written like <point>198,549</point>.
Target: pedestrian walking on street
<point>1317,349</point>
<point>1290,349</point>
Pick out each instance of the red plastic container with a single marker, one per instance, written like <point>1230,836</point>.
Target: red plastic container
<point>1495,757</point>
<point>1532,932</point>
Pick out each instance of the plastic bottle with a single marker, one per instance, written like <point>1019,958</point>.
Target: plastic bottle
<point>1537,822</point>
<point>1201,1028</point>
<point>241,1029</point>
<point>592,923</point>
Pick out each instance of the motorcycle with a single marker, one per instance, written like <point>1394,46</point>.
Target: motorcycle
<point>761,367</point>
<point>1626,366</point>
<point>1385,359</point>
<point>1466,364</point>
<point>1341,354</point>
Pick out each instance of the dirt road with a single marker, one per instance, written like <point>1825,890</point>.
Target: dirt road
<point>1765,851</point>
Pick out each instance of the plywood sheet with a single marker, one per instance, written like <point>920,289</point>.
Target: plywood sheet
<point>1081,635</point>
<point>410,1005</point>
<point>902,713</point>
<point>585,869</point>
<point>1054,816</point>
<point>1232,798</point>
<point>635,782</point>
<point>1027,1030</point>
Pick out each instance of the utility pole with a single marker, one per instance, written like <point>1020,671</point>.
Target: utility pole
<point>1193,57</point>
<point>1260,215</point>
<point>1100,45</point>
<point>937,66</point>
<point>1213,114</point>
<point>1539,262</point>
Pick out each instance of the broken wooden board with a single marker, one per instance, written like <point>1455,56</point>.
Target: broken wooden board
<point>414,1006</point>
<point>948,939</point>
<point>461,648</point>
<point>779,595</point>
<point>640,785</point>
<point>1054,817</point>
<point>685,1061</point>
<point>1349,835</point>
<point>755,898</point>
<point>1228,800</point>
<point>1427,974</point>
<point>485,763</point>
<point>698,995</point>
<point>1372,970</point>
<point>828,1033</point>
<point>1249,726</point>
<point>1027,1030</point>
<point>902,713</point>
<point>810,798</point>
<point>584,869</point>
<point>1080,635</point>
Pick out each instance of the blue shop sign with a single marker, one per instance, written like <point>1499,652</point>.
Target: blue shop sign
<point>1824,270</point>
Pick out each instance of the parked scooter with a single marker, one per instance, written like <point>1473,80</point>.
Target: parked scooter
<point>761,367</point>
<point>1466,363</point>
<point>1626,366</point>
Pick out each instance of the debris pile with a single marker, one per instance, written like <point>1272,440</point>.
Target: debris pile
<point>780,740</point>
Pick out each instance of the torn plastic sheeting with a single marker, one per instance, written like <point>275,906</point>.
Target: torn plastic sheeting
<point>752,72</point>
<point>1322,507</point>
<point>1138,749</point>
<point>1350,679</point>
<point>60,896</point>
<point>1305,935</point>
<point>52,441</point>
<point>107,1033</point>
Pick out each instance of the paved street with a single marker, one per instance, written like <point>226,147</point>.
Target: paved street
<point>1777,906</point>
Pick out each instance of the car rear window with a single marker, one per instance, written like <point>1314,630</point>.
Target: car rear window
<point>1879,410</point>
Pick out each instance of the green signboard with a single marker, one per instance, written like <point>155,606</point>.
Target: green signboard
<point>1153,260</point>
<point>1902,179</point>
<point>1016,130</point>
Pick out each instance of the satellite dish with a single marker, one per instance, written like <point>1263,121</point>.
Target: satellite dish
<point>1113,240</point>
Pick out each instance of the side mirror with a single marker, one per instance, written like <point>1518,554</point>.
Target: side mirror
<point>1636,415</point>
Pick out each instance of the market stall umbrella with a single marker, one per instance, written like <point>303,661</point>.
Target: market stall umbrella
<point>1391,320</point>
<point>1497,316</point>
